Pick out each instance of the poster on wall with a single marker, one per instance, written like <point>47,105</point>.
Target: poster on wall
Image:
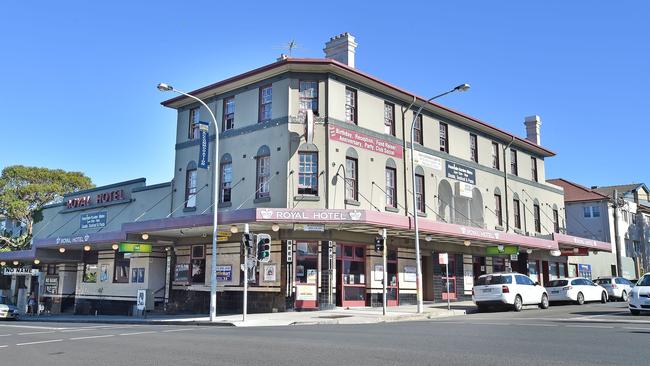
<point>269,273</point>
<point>181,272</point>
<point>140,275</point>
<point>378,272</point>
<point>224,273</point>
<point>410,274</point>
<point>300,270</point>
<point>460,172</point>
<point>51,285</point>
<point>312,276</point>
<point>305,292</point>
<point>103,273</point>
<point>134,275</point>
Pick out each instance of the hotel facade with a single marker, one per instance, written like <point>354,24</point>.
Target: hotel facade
<point>316,154</point>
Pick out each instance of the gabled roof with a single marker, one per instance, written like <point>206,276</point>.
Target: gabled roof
<point>622,189</point>
<point>574,192</point>
<point>325,64</point>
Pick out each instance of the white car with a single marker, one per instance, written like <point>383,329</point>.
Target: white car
<point>640,296</point>
<point>576,289</point>
<point>7,310</point>
<point>617,287</point>
<point>508,289</point>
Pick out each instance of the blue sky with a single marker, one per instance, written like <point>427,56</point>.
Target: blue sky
<point>78,78</point>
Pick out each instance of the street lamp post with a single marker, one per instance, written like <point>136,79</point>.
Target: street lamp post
<point>215,195</point>
<point>462,87</point>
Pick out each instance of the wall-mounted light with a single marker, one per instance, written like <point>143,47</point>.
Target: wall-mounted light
<point>234,229</point>
<point>3,263</point>
<point>467,243</point>
<point>275,227</point>
<point>428,238</point>
<point>62,250</point>
<point>87,248</point>
<point>145,236</point>
<point>16,263</point>
<point>115,246</point>
<point>555,253</point>
<point>37,261</point>
<point>500,247</point>
<point>529,251</point>
<point>576,250</point>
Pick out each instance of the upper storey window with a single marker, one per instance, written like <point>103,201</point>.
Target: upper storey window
<point>513,162</point>
<point>193,124</point>
<point>350,105</point>
<point>308,91</point>
<point>444,137</point>
<point>533,169</point>
<point>495,156</point>
<point>389,119</point>
<point>473,147</point>
<point>228,114</point>
<point>266,97</point>
<point>417,131</point>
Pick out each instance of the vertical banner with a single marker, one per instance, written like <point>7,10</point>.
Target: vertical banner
<point>204,144</point>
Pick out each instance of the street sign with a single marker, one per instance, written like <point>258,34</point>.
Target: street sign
<point>224,233</point>
<point>443,258</point>
<point>222,238</point>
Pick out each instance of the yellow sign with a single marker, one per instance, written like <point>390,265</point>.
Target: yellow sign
<point>222,238</point>
<point>224,233</point>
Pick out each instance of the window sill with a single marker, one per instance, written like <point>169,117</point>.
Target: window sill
<point>422,214</point>
<point>262,199</point>
<point>518,231</point>
<point>224,204</point>
<point>189,209</point>
<point>391,209</point>
<point>352,202</point>
<point>498,227</point>
<point>306,197</point>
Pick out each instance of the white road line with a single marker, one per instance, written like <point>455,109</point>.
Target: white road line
<point>136,333</point>
<point>5,335</point>
<point>30,333</point>
<point>91,337</point>
<point>175,330</point>
<point>40,342</point>
<point>30,327</point>
<point>486,323</point>
<point>5,346</point>
<point>537,325</point>
<point>92,328</point>
<point>589,326</point>
<point>638,328</point>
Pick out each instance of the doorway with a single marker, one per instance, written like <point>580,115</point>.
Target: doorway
<point>351,284</point>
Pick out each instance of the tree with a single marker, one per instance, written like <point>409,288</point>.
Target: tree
<point>25,190</point>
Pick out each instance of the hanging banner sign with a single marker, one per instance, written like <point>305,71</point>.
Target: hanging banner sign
<point>506,250</point>
<point>461,173</point>
<point>20,271</point>
<point>204,144</point>
<point>364,141</point>
<point>134,248</point>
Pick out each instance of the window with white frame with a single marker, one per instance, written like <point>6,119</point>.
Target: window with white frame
<point>190,187</point>
<point>266,98</point>
<point>391,187</point>
<point>263,172</point>
<point>308,91</point>
<point>228,114</point>
<point>193,124</point>
<point>308,173</point>
<point>350,105</point>
<point>226,180</point>
<point>389,119</point>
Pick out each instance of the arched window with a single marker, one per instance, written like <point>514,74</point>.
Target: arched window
<point>263,172</point>
<point>476,207</point>
<point>536,216</point>
<point>498,206</point>
<point>391,183</point>
<point>351,175</point>
<point>516,210</point>
<point>556,219</point>
<point>308,169</point>
<point>190,185</point>
<point>419,189</point>
<point>445,200</point>
<point>225,177</point>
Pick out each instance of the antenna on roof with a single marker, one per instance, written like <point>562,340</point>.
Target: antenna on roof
<point>289,47</point>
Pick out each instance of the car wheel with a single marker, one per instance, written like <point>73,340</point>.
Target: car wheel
<point>624,296</point>
<point>580,299</point>
<point>481,308</point>
<point>518,305</point>
<point>635,312</point>
<point>544,303</point>
<point>603,298</point>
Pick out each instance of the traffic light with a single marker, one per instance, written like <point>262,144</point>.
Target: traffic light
<point>263,248</point>
<point>247,242</point>
<point>379,244</point>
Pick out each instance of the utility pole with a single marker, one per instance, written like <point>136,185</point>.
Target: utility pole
<point>617,204</point>
<point>247,250</point>
<point>385,274</point>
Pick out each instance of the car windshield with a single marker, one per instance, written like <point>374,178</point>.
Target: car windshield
<point>493,280</point>
<point>644,281</point>
<point>557,283</point>
<point>5,300</point>
<point>603,281</point>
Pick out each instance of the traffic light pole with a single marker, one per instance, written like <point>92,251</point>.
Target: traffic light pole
<point>383,235</point>
<point>246,260</point>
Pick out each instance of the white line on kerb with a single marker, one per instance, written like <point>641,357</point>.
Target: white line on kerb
<point>91,337</point>
<point>589,326</point>
<point>136,333</point>
<point>40,342</point>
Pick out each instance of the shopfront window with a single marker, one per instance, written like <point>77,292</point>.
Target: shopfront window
<point>353,275</point>
<point>198,264</point>
<point>498,264</point>
<point>533,271</point>
<point>307,262</point>
<point>90,267</point>
<point>561,267</point>
<point>122,267</point>
<point>552,271</point>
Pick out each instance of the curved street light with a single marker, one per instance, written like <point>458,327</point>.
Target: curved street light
<point>461,88</point>
<point>215,194</point>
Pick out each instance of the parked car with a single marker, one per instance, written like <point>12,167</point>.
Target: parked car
<point>7,309</point>
<point>640,296</point>
<point>508,289</point>
<point>617,287</point>
<point>576,289</point>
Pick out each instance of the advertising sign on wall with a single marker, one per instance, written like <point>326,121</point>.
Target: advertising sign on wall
<point>135,248</point>
<point>305,292</point>
<point>427,160</point>
<point>410,274</point>
<point>502,250</point>
<point>365,142</point>
<point>224,273</point>
<point>460,172</point>
<point>93,220</point>
<point>204,144</point>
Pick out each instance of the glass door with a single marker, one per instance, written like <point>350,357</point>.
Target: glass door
<point>392,286</point>
<point>449,278</point>
<point>306,275</point>
<point>352,264</point>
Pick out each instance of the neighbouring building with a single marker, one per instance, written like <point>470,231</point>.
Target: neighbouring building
<point>315,153</point>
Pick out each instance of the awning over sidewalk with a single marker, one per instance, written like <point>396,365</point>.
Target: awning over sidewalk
<point>577,242</point>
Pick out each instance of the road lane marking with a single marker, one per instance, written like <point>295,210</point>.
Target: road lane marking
<point>486,323</point>
<point>91,337</point>
<point>39,342</point>
<point>589,326</point>
<point>30,327</point>
<point>537,325</point>
<point>638,328</point>
<point>5,335</point>
<point>86,329</point>
<point>175,330</point>
<point>136,333</point>
<point>30,333</point>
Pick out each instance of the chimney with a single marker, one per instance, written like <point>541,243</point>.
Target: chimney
<point>532,128</point>
<point>341,48</point>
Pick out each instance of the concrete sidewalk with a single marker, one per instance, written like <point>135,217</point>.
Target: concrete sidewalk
<point>364,315</point>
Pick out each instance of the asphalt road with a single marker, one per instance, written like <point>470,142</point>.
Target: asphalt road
<point>594,334</point>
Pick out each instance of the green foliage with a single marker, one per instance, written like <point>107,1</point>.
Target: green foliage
<point>25,190</point>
